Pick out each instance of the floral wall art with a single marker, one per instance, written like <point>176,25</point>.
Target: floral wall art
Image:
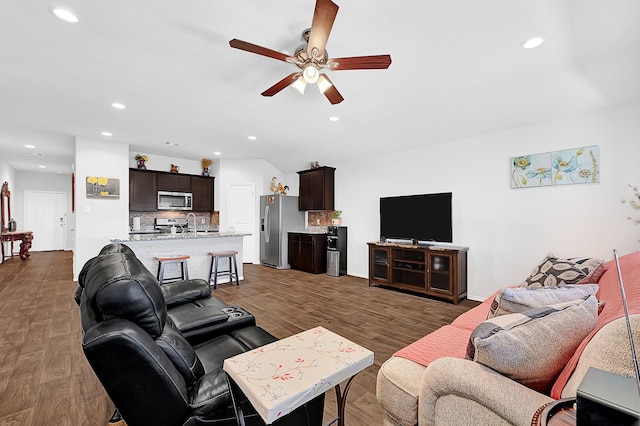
<point>567,167</point>
<point>102,187</point>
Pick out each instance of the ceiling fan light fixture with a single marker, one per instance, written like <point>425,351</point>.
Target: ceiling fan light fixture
<point>324,84</point>
<point>310,74</point>
<point>299,84</point>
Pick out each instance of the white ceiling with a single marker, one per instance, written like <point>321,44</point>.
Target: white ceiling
<point>457,71</point>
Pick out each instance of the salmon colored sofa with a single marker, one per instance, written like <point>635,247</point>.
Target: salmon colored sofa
<point>431,383</point>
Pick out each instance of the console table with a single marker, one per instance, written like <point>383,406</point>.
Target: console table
<point>279,377</point>
<point>439,271</point>
<point>8,235</point>
<point>24,236</point>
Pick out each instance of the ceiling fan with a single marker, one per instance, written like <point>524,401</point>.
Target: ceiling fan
<point>312,57</point>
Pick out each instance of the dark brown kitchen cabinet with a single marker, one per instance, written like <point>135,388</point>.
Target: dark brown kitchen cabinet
<point>143,190</point>
<point>202,189</point>
<point>316,189</point>
<point>174,182</point>
<point>145,184</point>
<point>308,252</point>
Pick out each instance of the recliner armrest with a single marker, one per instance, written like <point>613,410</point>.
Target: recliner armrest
<point>197,317</point>
<point>181,292</point>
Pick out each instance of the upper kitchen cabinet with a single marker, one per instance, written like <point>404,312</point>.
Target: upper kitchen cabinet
<point>202,189</point>
<point>316,189</point>
<point>143,190</point>
<point>174,182</point>
<point>145,184</point>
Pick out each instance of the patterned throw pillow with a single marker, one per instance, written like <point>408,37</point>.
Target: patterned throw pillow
<point>533,346</point>
<point>520,299</point>
<point>555,271</point>
<point>594,268</point>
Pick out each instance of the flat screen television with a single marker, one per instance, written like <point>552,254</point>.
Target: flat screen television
<point>425,217</point>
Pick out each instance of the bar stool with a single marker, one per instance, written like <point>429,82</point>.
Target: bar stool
<point>232,272</point>
<point>163,261</point>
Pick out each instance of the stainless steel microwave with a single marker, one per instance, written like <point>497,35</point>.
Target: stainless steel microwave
<point>175,200</point>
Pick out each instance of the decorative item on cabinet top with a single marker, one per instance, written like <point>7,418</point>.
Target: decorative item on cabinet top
<point>141,159</point>
<point>174,168</point>
<point>278,188</point>
<point>206,163</point>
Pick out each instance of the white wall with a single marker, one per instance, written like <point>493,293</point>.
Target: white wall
<point>99,220</point>
<point>508,231</point>
<point>41,181</point>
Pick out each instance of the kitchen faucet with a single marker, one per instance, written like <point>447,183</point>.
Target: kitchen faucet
<point>195,220</point>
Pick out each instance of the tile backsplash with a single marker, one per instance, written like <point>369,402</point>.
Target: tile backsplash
<point>147,218</point>
<point>319,218</point>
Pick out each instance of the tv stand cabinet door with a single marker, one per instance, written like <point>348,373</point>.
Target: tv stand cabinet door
<point>379,265</point>
<point>447,274</point>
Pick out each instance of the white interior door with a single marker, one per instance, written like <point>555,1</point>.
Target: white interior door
<point>242,216</point>
<point>45,215</point>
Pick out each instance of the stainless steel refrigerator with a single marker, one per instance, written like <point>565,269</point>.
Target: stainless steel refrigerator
<point>278,215</point>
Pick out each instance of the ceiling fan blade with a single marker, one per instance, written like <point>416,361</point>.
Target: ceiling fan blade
<point>323,17</point>
<point>254,48</point>
<point>285,82</point>
<point>361,62</point>
<point>332,93</point>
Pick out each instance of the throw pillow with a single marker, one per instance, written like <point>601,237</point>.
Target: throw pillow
<point>594,268</point>
<point>533,346</point>
<point>555,271</point>
<point>608,350</point>
<point>519,299</point>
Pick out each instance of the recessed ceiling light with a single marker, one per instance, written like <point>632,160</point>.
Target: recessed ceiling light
<point>65,15</point>
<point>217,153</point>
<point>532,43</point>
<point>252,138</point>
<point>29,146</point>
<point>334,118</point>
<point>118,105</point>
<point>42,167</point>
<point>106,134</point>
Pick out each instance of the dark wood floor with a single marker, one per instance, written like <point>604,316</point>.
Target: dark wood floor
<point>45,379</point>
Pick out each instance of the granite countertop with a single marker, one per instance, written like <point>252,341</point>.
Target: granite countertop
<point>310,230</point>
<point>181,236</point>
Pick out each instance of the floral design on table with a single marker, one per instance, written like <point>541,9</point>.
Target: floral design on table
<point>305,365</point>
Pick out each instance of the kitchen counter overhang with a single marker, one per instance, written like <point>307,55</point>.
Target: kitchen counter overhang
<point>148,247</point>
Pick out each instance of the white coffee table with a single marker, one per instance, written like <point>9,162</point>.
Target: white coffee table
<point>279,377</point>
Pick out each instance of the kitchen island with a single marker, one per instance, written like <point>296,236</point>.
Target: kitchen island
<point>148,247</point>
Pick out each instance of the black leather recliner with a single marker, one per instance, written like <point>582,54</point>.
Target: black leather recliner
<point>150,371</point>
<point>190,306</point>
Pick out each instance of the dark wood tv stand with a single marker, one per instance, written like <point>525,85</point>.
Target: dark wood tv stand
<point>439,271</point>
